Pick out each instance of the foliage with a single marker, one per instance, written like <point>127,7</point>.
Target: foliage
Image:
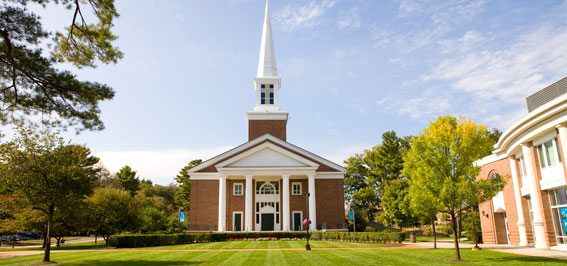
<point>45,172</point>
<point>153,220</point>
<point>440,163</point>
<point>468,220</point>
<point>128,179</point>
<point>113,211</point>
<point>396,204</point>
<point>148,240</point>
<point>183,195</point>
<point>30,81</point>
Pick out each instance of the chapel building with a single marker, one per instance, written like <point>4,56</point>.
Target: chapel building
<point>267,183</point>
<point>532,208</point>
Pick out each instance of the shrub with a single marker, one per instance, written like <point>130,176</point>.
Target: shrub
<point>148,240</point>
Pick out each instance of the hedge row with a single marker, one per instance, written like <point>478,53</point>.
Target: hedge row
<point>149,240</point>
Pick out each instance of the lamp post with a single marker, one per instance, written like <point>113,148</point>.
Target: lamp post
<point>307,222</point>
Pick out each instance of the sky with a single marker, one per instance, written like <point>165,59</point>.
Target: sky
<point>350,69</point>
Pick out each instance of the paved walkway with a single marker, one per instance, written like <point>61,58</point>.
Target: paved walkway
<point>528,251</point>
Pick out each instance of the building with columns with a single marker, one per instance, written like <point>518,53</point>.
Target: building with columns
<point>267,183</point>
<point>532,208</point>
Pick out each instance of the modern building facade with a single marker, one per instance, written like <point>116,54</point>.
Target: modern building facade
<point>532,208</point>
<point>267,183</point>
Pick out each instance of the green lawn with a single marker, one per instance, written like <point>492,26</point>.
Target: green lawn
<point>268,244</point>
<point>287,257</point>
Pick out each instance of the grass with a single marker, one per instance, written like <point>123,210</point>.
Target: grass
<point>286,257</point>
<point>439,238</point>
<point>268,245</point>
<point>85,245</point>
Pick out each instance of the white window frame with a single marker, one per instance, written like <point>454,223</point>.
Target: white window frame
<point>300,188</point>
<point>234,189</point>
<point>241,221</point>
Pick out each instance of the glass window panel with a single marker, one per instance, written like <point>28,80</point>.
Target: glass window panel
<point>263,86</point>
<point>552,198</point>
<point>271,86</point>
<point>550,152</point>
<point>561,196</point>
<point>541,158</point>
<point>558,150</point>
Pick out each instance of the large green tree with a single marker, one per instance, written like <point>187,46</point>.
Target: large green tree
<point>46,173</point>
<point>359,191</point>
<point>441,163</point>
<point>113,211</point>
<point>183,195</point>
<point>30,80</point>
<point>129,179</point>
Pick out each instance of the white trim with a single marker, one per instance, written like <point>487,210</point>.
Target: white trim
<point>241,220</point>
<point>241,189</point>
<point>330,176</point>
<point>258,140</point>
<point>266,172</point>
<point>293,220</point>
<point>224,164</point>
<point>545,138</point>
<point>300,188</point>
<point>531,125</point>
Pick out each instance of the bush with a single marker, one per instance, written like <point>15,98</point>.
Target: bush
<point>446,228</point>
<point>149,240</point>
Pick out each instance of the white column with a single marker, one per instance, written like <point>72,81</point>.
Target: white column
<point>222,203</point>
<point>562,128</point>
<point>518,198</point>
<point>535,198</point>
<point>248,204</point>
<point>312,207</point>
<point>285,203</point>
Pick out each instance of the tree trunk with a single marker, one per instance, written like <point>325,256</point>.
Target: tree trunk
<point>454,224</point>
<point>434,235</point>
<point>459,225</point>
<point>49,229</point>
<point>95,236</point>
<point>44,239</point>
<point>474,229</point>
<point>105,237</point>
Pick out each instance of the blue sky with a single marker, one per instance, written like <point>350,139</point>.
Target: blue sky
<point>350,71</point>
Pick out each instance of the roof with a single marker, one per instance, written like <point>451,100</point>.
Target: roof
<point>260,140</point>
<point>547,94</point>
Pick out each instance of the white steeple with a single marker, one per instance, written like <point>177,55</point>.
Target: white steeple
<point>267,63</point>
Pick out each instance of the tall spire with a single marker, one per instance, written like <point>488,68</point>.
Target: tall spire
<point>267,63</point>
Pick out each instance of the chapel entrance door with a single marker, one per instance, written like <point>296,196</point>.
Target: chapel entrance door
<point>297,221</point>
<point>267,222</point>
<point>237,222</point>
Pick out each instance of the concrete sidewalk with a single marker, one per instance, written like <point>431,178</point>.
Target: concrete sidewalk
<point>528,251</point>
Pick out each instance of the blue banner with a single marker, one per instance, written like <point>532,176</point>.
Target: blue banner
<point>563,213</point>
<point>351,214</point>
<point>181,216</point>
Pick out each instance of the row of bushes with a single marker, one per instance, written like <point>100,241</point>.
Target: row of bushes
<point>149,240</point>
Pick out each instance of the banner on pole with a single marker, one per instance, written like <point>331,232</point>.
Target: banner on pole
<point>351,215</point>
<point>181,216</point>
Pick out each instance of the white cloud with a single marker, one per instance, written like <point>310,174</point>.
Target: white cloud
<point>491,85</point>
<point>303,17</point>
<point>470,40</point>
<point>159,166</point>
<point>350,19</point>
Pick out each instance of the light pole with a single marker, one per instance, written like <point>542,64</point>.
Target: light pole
<point>307,222</point>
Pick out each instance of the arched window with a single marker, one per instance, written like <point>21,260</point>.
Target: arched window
<point>494,175</point>
<point>267,188</point>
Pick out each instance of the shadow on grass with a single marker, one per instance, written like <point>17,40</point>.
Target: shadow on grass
<point>135,262</point>
<point>520,258</point>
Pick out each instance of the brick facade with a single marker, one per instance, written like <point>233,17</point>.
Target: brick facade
<point>258,128</point>
<point>204,204</point>
<point>330,202</point>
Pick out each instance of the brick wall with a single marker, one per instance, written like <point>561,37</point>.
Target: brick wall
<point>258,128</point>
<point>330,202</point>
<point>234,203</point>
<point>297,202</point>
<point>204,202</point>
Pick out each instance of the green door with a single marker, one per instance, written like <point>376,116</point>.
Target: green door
<point>267,222</point>
<point>297,221</point>
<point>237,222</point>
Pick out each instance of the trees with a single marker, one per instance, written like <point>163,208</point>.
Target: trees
<point>359,190</point>
<point>30,82</point>
<point>440,163</point>
<point>113,211</point>
<point>46,173</point>
<point>183,195</point>
<point>129,180</point>
<point>396,203</point>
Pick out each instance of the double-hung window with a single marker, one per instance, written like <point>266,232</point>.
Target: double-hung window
<point>296,188</point>
<point>237,191</point>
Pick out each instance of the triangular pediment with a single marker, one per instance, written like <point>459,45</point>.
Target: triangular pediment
<point>266,155</point>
